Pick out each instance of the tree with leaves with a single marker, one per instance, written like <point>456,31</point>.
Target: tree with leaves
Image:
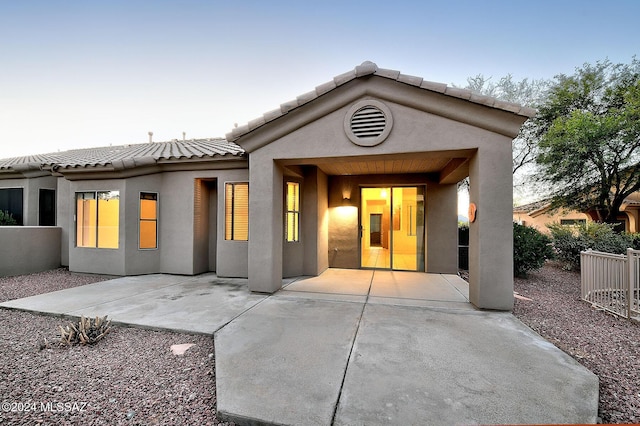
<point>526,92</point>
<point>589,138</point>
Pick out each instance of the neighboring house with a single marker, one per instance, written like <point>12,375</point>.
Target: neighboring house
<point>361,172</point>
<point>539,215</point>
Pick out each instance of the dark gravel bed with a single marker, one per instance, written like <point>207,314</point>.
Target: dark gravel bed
<point>606,345</point>
<point>21,286</point>
<point>131,377</point>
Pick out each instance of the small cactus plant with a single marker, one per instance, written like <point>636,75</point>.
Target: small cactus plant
<point>86,331</point>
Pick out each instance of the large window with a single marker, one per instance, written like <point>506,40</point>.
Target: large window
<point>97,219</point>
<point>148,220</point>
<point>292,227</point>
<point>236,217</point>
<point>11,203</point>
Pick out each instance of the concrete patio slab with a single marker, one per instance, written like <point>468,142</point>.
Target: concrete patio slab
<point>73,299</point>
<point>410,285</point>
<point>419,366</point>
<point>200,304</point>
<point>436,361</point>
<point>336,281</point>
<point>283,361</point>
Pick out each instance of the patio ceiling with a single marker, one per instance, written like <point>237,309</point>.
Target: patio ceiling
<point>448,166</point>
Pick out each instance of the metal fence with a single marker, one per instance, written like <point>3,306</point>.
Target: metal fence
<point>612,281</point>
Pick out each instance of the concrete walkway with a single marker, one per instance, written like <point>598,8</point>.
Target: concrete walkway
<point>352,347</point>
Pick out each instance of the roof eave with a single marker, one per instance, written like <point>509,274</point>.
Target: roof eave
<point>365,70</point>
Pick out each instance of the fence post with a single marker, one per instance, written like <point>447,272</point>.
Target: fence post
<point>630,281</point>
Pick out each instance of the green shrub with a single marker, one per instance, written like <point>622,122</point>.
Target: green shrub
<point>6,219</point>
<point>531,248</point>
<point>570,240</point>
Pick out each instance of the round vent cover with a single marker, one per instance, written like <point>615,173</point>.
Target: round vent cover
<point>368,123</point>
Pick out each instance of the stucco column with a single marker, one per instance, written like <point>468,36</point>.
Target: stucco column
<point>442,229</point>
<point>491,235</point>
<point>265,225</point>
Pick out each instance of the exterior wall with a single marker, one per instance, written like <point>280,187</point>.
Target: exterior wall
<point>344,234</point>
<point>64,216</point>
<point>186,235</point>
<point>491,235</point>
<point>188,227</point>
<point>442,229</point>
<point>541,221</point>
<point>137,261</point>
<point>99,260</point>
<point>30,195</point>
<point>633,220</point>
<point>31,249</point>
<point>265,223</point>
<point>315,227</point>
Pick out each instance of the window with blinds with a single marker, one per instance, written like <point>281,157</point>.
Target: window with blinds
<point>292,228</point>
<point>236,217</point>
<point>148,237</point>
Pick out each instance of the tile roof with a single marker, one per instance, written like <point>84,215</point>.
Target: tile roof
<point>370,68</point>
<point>532,207</point>
<point>142,153</point>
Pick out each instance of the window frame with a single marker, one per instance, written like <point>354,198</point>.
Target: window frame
<point>97,218</point>
<point>19,222</point>
<point>292,213</point>
<point>573,222</point>
<point>232,214</point>
<point>141,219</point>
<point>55,213</point>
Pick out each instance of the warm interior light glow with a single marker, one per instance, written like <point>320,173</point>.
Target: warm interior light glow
<point>148,221</point>
<point>237,211</point>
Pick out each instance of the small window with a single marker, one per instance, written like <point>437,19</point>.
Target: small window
<point>11,203</point>
<point>236,220</point>
<point>98,219</point>
<point>148,220</point>
<point>292,227</point>
<point>573,222</point>
<point>47,207</point>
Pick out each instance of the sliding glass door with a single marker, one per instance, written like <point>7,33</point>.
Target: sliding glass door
<point>392,228</point>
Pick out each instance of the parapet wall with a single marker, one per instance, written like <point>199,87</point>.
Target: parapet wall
<point>29,249</point>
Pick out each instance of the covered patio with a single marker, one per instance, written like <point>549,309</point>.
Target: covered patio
<point>371,160</point>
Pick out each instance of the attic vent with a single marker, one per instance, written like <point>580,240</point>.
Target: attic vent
<point>368,123</point>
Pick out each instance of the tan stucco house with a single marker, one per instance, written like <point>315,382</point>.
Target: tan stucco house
<point>539,214</point>
<point>361,172</point>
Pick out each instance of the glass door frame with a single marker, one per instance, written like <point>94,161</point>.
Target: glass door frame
<point>421,191</point>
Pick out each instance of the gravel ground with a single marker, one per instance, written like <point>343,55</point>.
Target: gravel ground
<point>607,345</point>
<point>130,377</point>
<point>44,282</point>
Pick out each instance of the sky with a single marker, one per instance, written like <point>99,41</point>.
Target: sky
<point>77,74</point>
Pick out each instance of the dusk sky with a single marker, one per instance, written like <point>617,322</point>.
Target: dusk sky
<point>88,73</point>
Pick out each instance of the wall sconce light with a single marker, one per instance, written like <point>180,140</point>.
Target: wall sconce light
<point>346,201</point>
